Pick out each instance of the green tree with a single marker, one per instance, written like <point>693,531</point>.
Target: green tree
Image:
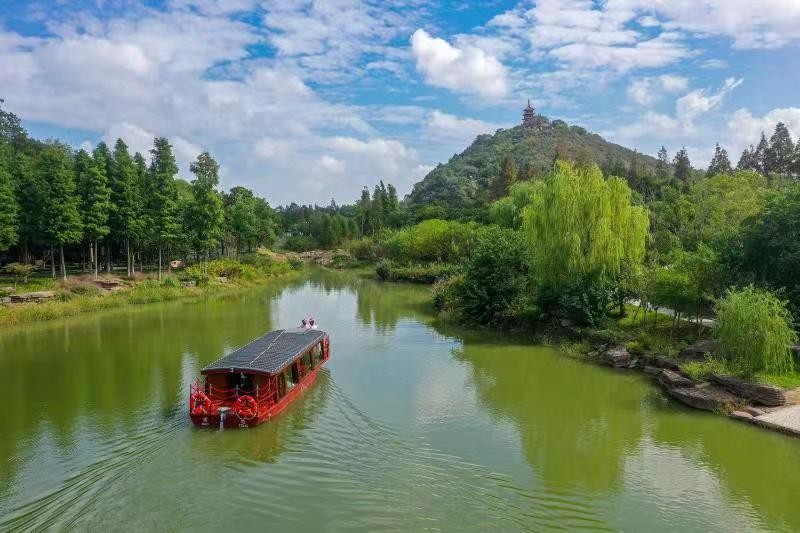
<point>720,164</point>
<point>507,212</point>
<point>748,160</point>
<point>755,330</point>
<point>506,178</point>
<point>95,201</point>
<point>104,161</point>
<point>582,229</point>
<point>207,214</point>
<point>760,156</point>
<point>162,198</point>
<point>128,196</point>
<point>60,201</point>
<point>9,209</point>
<point>663,169</point>
<point>780,154</point>
<point>683,167</point>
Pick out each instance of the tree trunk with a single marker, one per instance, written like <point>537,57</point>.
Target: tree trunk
<point>128,254</point>
<point>159,262</point>
<point>108,256</point>
<point>63,266</point>
<point>52,262</point>
<point>96,250</point>
<point>92,261</point>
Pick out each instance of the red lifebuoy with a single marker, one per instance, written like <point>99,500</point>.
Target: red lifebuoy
<point>199,403</point>
<point>246,407</point>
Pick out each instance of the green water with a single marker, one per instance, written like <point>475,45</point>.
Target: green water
<point>409,427</point>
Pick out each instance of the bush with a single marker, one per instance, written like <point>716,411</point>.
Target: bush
<point>197,274</point>
<point>85,289</point>
<point>755,330</point>
<point>172,281</point>
<point>295,263</point>
<point>446,292</point>
<point>430,273</point>
<point>430,241</point>
<point>363,249</point>
<point>495,286</point>
<point>299,243</point>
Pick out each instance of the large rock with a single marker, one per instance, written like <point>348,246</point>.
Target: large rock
<point>706,397</point>
<point>700,350</point>
<point>618,357</point>
<point>32,296</point>
<point>762,394</point>
<point>661,362</point>
<point>671,379</point>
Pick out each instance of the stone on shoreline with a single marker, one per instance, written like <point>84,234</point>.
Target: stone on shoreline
<point>670,379</point>
<point>762,394</point>
<point>652,370</point>
<point>617,357</point>
<point>754,411</point>
<point>706,397</point>
<point>700,350</point>
<point>742,415</point>
<point>32,296</point>
<point>661,362</point>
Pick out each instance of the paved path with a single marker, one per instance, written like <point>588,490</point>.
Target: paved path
<point>785,419</point>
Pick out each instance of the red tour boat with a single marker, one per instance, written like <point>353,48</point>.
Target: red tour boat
<point>257,381</point>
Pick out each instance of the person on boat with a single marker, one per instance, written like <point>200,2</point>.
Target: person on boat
<point>304,324</point>
<point>312,324</point>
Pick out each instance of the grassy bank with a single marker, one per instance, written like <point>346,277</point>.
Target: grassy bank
<point>80,294</point>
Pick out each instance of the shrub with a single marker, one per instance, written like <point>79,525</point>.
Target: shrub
<point>295,263</point>
<point>197,274</point>
<point>430,241</point>
<point>446,292</point>
<point>755,330</point>
<point>429,273</point>
<point>20,271</point>
<point>635,347</point>
<point>299,243</point>
<point>363,249</point>
<point>495,285</point>
<point>85,289</point>
<point>172,281</point>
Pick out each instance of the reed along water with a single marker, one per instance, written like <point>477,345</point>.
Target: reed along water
<point>410,426</point>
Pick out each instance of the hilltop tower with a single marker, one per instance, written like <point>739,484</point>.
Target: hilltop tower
<point>529,116</point>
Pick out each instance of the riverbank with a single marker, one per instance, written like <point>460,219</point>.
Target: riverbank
<point>43,299</point>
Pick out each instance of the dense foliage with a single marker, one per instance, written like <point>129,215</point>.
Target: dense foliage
<point>755,330</point>
<point>55,202</point>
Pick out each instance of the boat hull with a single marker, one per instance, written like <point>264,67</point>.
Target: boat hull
<point>231,420</point>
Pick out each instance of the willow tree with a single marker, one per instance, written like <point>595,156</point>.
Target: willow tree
<point>582,230</point>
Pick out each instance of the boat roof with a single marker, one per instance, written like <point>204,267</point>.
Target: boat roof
<point>268,354</point>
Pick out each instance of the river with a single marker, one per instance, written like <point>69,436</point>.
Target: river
<point>410,426</point>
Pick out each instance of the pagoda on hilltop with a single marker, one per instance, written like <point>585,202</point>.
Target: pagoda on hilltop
<point>529,116</point>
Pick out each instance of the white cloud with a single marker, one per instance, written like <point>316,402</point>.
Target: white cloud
<point>460,131</point>
<point>688,108</point>
<point>465,70</point>
<point>646,91</point>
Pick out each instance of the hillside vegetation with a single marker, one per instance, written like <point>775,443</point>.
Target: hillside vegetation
<point>466,180</point>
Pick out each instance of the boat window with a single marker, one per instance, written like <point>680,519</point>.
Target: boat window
<point>316,354</point>
<point>295,372</point>
<point>288,378</point>
<point>307,360</point>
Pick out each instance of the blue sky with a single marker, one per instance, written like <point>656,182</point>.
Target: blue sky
<point>304,101</point>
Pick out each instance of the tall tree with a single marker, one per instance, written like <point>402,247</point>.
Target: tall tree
<point>796,162</point>
<point>95,201</point>
<point>207,215</point>
<point>683,167</point>
<point>780,154</point>
<point>720,164</point>
<point>9,209</point>
<point>662,167</point>
<point>162,198</point>
<point>748,160</point>
<point>127,194</point>
<point>362,208</point>
<point>506,178</point>
<point>105,163</point>
<point>760,156</point>
<point>60,201</point>
<point>598,230</point>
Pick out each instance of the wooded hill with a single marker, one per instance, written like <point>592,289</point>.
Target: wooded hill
<point>466,180</point>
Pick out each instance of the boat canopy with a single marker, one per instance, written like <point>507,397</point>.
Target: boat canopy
<point>268,354</point>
